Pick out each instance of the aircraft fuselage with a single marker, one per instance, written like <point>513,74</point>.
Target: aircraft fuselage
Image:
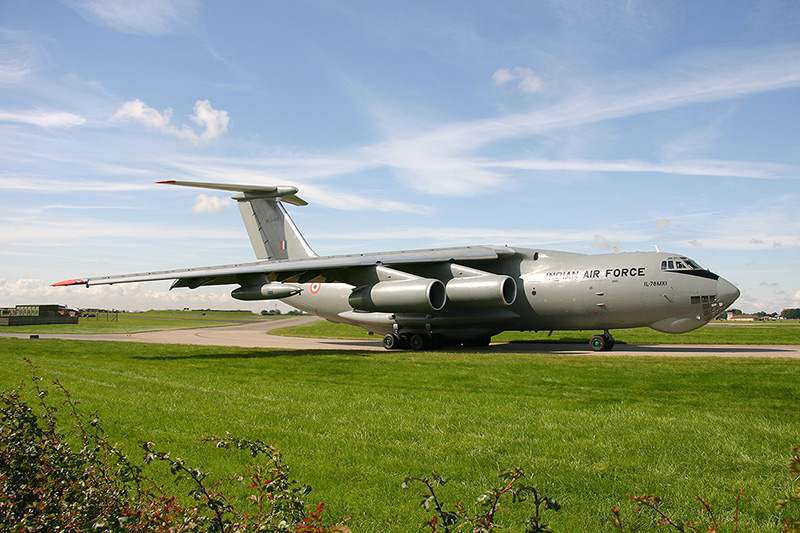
<point>555,291</point>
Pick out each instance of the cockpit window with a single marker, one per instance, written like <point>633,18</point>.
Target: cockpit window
<point>692,263</point>
<point>680,263</point>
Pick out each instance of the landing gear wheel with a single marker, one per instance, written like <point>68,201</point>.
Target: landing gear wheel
<point>598,343</point>
<point>391,342</point>
<point>602,343</point>
<point>419,342</point>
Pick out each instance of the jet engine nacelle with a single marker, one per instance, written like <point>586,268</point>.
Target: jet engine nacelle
<point>482,291</point>
<point>267,291</point>
<point>417,295</point>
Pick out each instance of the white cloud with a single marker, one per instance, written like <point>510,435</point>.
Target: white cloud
<point>214,122</point>
<point>28,183</point>
<point>442,159</point>
<point>137,110</point>
<point>44,119</point>
<point>141,17</point>
<point>602,243</point>
<point>210,204</point>
<point>526,80</point>
<point>19,56</point>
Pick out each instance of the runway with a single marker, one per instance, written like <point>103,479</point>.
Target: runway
<point>255,335</point>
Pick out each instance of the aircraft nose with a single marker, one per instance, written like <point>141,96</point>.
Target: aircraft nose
<point>727,293</point>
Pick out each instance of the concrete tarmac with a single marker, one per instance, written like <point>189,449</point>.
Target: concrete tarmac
<point>255,335</point>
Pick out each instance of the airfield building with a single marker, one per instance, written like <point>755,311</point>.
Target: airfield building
<point>34,315</point>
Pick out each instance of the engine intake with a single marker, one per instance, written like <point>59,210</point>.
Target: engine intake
<point>417,295</point>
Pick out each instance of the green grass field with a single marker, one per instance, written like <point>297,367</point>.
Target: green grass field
<point>353,425</point>
<point>147,321</point>
<point>784,332</point>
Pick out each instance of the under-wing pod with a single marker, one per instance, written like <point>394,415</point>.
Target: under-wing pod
<point>266,291</point>
<point>417,295</point>
<point>481,291</point>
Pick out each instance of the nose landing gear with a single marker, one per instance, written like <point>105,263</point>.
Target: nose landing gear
<point>602,343</point>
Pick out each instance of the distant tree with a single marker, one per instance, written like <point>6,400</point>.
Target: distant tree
<point>735,311</point>
<point>790,313</point>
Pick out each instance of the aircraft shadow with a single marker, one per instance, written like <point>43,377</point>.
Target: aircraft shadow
<point>266,353</point>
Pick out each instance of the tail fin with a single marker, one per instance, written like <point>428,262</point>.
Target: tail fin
<point>270,228</point>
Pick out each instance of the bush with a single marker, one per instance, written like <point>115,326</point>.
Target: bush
<point>48,483</point>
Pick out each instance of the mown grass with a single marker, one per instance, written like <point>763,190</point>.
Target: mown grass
<point>715,333</point>
<point>353,425</point>
<point>139,322</point>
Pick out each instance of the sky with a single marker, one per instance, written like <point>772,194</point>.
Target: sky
<point>582,126</point>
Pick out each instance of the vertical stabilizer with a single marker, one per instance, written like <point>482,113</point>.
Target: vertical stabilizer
<point>272,232</point>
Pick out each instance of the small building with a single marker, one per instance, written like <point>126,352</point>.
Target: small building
<point>744,318</point>
<point>34,315</point>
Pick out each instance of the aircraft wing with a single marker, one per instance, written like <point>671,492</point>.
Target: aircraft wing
<point>339,268</point>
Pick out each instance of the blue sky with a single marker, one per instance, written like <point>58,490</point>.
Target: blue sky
<point>571,125</point>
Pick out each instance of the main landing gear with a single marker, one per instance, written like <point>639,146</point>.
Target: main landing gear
<point>602,343</point>
<point>428,341</point>
<point>417,341</point>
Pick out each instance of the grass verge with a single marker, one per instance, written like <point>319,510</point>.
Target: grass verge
<point>353,425</point>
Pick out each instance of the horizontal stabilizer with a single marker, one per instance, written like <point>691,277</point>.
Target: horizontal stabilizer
<point>285,193</point>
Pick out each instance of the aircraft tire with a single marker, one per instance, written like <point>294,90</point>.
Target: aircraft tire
<point>419,342</point>
<point>599,343</point>
<point>391,342</point>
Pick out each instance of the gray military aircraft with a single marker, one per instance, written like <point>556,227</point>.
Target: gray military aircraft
<point>422,299</point>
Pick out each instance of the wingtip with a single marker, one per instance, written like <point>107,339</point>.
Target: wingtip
<point>70,282</point>
<point>167,181</point>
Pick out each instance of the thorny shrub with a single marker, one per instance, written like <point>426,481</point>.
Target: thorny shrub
<point>514,486</point>
<point>50,481</point>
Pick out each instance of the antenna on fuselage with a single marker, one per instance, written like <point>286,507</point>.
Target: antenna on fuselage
<point>658,250</point>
